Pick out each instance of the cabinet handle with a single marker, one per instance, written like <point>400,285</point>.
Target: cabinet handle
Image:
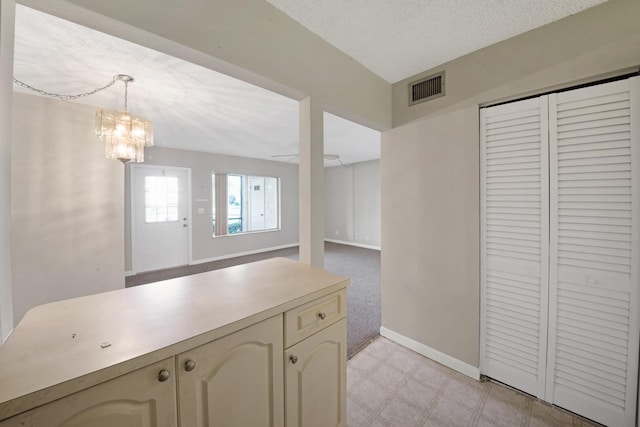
<point>322,315</point>
<point>294,359</point>
<point>163,375</point>
<point>189,365</point>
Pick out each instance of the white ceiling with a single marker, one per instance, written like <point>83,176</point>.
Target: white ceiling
<point>398,39</point>
<point>191,107</point>
<point>195,108</point>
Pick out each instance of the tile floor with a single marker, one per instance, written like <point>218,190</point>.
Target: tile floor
<point>389,385</point>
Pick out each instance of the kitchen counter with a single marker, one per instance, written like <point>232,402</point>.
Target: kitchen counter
<point>67,346</point>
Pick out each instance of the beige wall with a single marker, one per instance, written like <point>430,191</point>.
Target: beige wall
<point>67,205</point>
<point>202,165</point>
<point>352,203</point>
<point>430,167</point>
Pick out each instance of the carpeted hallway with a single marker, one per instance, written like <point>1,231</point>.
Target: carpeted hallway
<point>361,265</point>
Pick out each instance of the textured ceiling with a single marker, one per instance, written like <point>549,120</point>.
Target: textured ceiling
<point>398,39</point>
<point>191,107</point>
<point>199,109</point>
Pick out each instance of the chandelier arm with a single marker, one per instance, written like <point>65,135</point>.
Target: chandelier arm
<point>66,97</point>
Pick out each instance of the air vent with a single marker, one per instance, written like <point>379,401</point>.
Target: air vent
<point>426,89</point>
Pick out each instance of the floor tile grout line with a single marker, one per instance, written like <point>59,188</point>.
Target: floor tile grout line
<point>526,415</point>
<point>395,389</point>
<point>477,411</point>
<point>434,400</point>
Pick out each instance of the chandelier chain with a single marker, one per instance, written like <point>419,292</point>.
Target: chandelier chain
<point>126,94</point>
<point>68,97</point>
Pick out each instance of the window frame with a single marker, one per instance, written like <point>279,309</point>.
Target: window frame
<point>220,204</point>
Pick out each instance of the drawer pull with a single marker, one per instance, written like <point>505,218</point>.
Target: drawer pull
<point>189,365</point>
<point>163,375</point>
<point>294,359</point>
<point>322,315</point>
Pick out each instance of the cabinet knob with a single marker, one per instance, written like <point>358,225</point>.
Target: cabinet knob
<point>163,375</point>
<point>322,315</point>
<point>294,359</point>
<point>189,365</point>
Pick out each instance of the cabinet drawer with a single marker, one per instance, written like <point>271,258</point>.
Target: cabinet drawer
<point>312,317</point>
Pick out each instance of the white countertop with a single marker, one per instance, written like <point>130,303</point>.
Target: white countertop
<point>67,346</point>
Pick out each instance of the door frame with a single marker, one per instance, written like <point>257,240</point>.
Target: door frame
<point>132,213</point>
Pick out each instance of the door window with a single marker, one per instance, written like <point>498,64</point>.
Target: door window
<point>161,198</point>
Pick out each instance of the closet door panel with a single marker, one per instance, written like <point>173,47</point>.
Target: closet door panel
<point>514,227</point>
<point>593,320</point>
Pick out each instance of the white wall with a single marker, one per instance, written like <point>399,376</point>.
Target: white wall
<point>67,205</point>
<point>205,246</point>
<point>430,167</point>
<point>352,203</point>
<point>7,12</point>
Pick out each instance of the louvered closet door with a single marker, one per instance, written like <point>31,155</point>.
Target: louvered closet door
<point>593,319</point>
<point>514,228</point>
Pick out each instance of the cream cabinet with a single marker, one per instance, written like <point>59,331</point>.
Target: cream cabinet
<point>315,376</point>
<point>142,398</point>
<point>316,362</point>
<point>234,381</point>
<point>253,345</point>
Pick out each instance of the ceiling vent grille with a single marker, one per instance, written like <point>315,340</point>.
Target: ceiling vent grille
<point>426,89</point>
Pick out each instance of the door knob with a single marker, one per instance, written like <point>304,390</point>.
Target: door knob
<point>163,375</point>
<point>189,365</point>
<point>294,359</point>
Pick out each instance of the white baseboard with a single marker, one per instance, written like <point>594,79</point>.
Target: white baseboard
<point>257,251</point>
<point>445,359</point>
<point>360,245</point>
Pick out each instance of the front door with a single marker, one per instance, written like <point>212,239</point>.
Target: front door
<point>160,217</point>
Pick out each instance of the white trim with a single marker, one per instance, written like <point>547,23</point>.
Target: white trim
<point>360,245</point>
<point>433,354</point>
<point>257,251</point>
<point>552,251</point>
<point>548,131</point>
<point>634,317</point>
<point>482,360</point>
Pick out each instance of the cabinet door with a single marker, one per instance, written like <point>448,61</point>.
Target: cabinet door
<point>234,381</point>
<point>315,375</point>
<point>137,399</point>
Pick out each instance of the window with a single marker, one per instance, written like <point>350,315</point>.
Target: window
<point>235,203</point>
<point>249,203</point>
<point>161,198</point>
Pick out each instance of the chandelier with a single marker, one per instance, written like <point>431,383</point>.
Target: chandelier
<point>124,135</point>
